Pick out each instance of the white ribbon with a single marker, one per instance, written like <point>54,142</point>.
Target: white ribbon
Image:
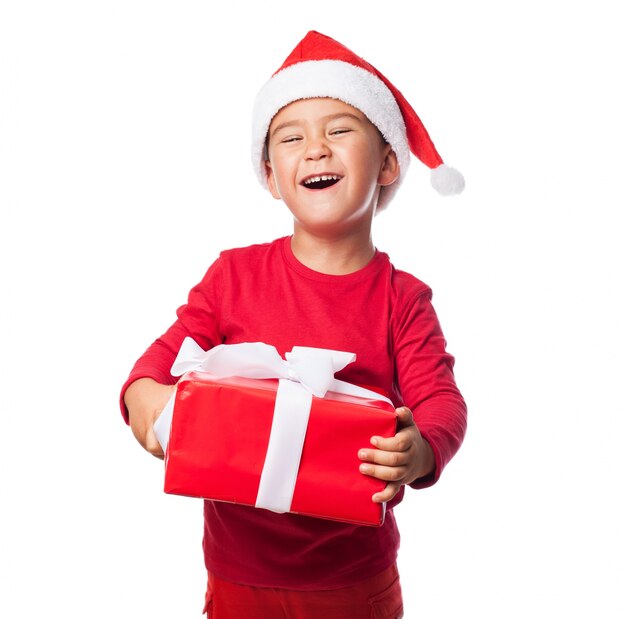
<point>305,372</point>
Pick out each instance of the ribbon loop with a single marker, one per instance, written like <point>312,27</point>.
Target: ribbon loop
<point>253,360</point>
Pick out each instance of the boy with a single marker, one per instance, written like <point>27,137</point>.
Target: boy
<point>331,140</point>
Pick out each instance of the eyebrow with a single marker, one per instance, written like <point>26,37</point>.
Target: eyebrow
<point>328,118</point>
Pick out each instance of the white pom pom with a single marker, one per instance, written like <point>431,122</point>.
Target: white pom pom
<point>446,180</point>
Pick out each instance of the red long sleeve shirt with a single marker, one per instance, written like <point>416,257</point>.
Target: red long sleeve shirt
<point>263,293</point>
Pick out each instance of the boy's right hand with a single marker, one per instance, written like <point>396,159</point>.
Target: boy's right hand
<point>145,400</point>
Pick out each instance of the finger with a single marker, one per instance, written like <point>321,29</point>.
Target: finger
<point>385,473</point>
<point>387,494</point>
<point>402,441</point>
<point>386,458</point>
<point>153,446</point>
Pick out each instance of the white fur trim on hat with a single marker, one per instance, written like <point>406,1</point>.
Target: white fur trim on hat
<point>338,80</point>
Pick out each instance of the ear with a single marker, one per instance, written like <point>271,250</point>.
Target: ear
<point>271,181</point>
<point>390,169</point>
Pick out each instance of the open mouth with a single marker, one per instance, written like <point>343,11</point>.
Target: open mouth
<point>321,182</point>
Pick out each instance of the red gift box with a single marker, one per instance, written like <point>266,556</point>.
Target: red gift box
<point>219,438</point>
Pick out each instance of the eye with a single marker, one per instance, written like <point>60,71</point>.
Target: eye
<point>340,131</point>
<point>290,138</point>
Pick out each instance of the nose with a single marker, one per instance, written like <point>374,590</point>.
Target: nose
<point>316,148</point>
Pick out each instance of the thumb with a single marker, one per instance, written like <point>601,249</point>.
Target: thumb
<point>405,417</point>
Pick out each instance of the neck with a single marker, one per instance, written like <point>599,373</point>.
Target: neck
<point>332,256</point>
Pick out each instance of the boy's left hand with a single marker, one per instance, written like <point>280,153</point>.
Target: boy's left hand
<point>400,459</point>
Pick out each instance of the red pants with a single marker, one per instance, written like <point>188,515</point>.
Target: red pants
<point>379,597</point>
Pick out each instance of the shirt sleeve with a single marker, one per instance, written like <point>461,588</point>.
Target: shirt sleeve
<point>198,318</point>
<point>425,380</point>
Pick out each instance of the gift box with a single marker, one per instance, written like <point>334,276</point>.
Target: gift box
<point>271,443</point>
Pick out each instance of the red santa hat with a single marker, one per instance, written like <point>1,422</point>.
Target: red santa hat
<point>321,67</point>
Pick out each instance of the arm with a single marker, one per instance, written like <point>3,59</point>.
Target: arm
<point>428,437</point>
<point>144,400</point>
<point>150,384</point>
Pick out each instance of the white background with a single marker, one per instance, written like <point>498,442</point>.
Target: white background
<point>124,169</point>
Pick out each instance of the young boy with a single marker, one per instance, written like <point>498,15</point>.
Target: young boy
<point>331,139</point>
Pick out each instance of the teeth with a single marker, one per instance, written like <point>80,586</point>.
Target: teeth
<point>318,179</point>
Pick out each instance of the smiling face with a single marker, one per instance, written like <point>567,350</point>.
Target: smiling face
<point>327,162</point>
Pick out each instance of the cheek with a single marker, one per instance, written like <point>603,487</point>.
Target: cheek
<point>282,180</point>
<point>283,171</point>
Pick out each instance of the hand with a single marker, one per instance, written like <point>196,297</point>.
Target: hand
<point>400,459</point>
<point>145,400</point>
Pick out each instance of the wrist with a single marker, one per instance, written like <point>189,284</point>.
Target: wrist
<point>427,461</point>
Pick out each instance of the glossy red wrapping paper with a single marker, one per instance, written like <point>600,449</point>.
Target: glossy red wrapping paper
<point>219,437</point>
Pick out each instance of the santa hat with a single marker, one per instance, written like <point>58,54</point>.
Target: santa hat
<point>321,67</point>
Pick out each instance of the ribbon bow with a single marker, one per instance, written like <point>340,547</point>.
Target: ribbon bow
<point>313,368</point>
